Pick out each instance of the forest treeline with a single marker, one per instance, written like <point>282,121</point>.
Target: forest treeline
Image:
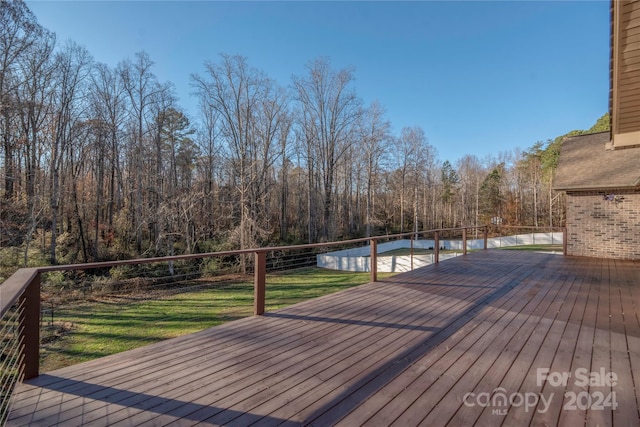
<point>100,162</point>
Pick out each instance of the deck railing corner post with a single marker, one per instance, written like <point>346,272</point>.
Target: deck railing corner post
<point>30,331</point>
<point>436,247</point>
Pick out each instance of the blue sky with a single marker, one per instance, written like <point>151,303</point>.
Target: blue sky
<point>479,77</point>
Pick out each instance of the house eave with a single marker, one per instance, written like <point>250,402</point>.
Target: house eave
<point>599,188</point>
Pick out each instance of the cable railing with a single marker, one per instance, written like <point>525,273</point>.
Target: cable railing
<point>11,372</point>
<point>35,302</point>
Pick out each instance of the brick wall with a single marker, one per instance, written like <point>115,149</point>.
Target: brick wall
<point>601,228</point>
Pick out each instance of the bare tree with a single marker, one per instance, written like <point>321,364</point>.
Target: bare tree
<point>108,109</point>
<point>409,155</point>
<point>32,102</point>
<point>471,174</point>
<point>142,89</point>
<point>72,68</point>
<point>375,138</point>
<point>252,114</point>
<point>209,167</point>
<point>19,31</point>
<point>285,147</point>
<point>330,111</point>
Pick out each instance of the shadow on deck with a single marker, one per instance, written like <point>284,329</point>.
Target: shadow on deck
<point>492,338</point>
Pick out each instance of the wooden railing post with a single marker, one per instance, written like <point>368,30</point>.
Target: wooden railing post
<point>259,283</point>
<point>373,247</point>
<point>411,239</point>
<point>564,241</point>
<point>486,236</point>
<point>436,248</point>
<point>30,332</point>
<point>464,241</point>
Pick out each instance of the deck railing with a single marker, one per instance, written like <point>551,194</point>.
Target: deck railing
<point>20,296</point>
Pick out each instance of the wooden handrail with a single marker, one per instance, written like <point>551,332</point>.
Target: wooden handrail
<point>105,264</point>
<point>12,288</point>
<point>24,284</point>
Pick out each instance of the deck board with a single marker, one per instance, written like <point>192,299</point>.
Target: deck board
<point>583,353</point>
<point>620,358</point>
<point>403,351</point>
<point>548,308</point>
<point>559,344</point>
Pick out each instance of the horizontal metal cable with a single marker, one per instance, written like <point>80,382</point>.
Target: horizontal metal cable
<point>11,373</point>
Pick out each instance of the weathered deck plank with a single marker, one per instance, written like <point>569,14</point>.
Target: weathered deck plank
<point>405,351</point>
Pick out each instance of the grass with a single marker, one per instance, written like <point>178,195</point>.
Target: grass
<point>416,251</point>
<point>405,252</point>
<point>98,328</point>
<point>535,248</point>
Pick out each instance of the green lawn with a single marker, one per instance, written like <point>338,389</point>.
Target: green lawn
<point>405,252</point>
<point>536,248</point>
<point>110,325</point>
<point>416,251</point>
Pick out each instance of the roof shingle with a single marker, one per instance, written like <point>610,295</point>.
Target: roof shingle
<point>585,164</point>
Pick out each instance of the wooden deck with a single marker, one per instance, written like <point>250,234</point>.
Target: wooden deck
<point>443,345</point>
